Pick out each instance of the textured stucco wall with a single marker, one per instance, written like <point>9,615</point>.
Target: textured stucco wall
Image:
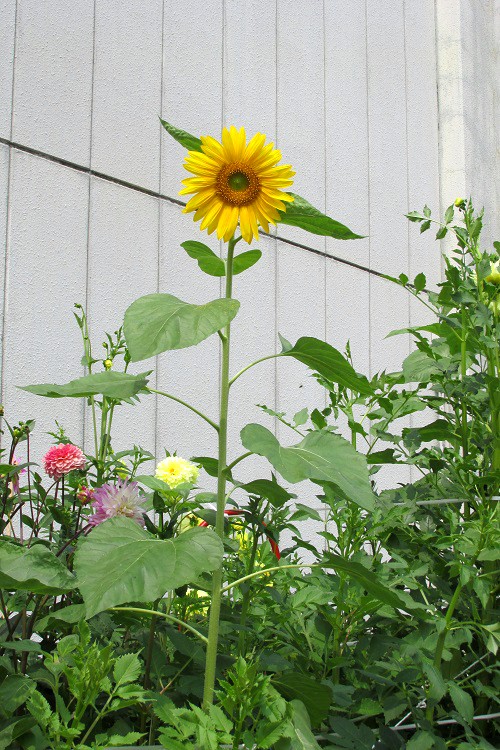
<point>348,91</point>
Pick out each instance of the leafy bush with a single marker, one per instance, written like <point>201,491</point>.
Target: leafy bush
<point>139,608</point>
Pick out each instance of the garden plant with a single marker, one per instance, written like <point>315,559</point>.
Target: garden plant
<point>138,608</point>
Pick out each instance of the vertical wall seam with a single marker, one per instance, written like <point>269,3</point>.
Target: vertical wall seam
<point>8,218</point>
<point>160,215</point>
<point>368,191</point>
<point>324,510</point>
<point>276,249</point>
<point>89,193</point>
<point>408,232</point>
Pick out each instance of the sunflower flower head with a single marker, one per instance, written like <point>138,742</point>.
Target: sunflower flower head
<point>235,181</point>
<point>174,470</point>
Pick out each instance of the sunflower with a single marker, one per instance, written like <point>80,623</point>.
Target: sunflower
<point>236,181</point>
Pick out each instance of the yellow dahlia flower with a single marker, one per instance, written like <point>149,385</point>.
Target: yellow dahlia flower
<point>174,471</point>
<point>235,181</point>
<point>494,275</point>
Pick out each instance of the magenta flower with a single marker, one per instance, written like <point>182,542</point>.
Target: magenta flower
<point>63,458</point>
<point>121,499</point>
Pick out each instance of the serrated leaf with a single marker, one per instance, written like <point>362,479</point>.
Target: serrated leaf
<point>158,323</point>
<point>462,702</point>
<point>119,385</point>
<point>207,260</point>
<point>127,668</point>
<point>191,142</point>
<point>34,569</point>
<point>321,455</point>
<point>300,213</point>
<point>328,362</point>
<point>120,562</point>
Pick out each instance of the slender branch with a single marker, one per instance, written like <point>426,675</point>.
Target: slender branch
<point>264,572</point>
<point>237,460</point>
<point>153,613</point>
<point>252,364</point>
<point>188,406</point>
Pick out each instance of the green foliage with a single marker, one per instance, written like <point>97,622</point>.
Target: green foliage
<point>320,456</point>
<point>116,385</point>
<point>301,214</point>
<point>120,562</point>
<point>328,362</point>
<point>160,322</point>
<point>35,569</point>
<point>380,631</point>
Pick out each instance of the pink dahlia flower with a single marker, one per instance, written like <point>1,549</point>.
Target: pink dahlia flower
<point>63,458</point>
<point>121,499</point>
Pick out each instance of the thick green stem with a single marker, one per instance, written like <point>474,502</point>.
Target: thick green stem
<point>213,624</point>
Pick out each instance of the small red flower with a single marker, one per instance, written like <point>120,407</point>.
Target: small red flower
<point>232,512</point>
<point>63,458</point>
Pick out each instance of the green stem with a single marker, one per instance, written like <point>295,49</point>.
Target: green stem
<point>153,613</point>
<point>246,598</point>
<point>213,624</point>
<point>264,572</point>
<point>240,458</point>
<point>188,406</point>
<point>438,656</point>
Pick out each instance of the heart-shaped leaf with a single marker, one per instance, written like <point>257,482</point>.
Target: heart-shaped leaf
<point>34,569</point>
<point>160,322</point>
<point>208,261</point>
<point>328,362</point>
<point>321,456</point>
<point>302,214</point>
<point>120,562</point>
<point>119,385</point>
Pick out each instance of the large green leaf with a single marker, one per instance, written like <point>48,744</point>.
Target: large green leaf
<point>301,214</point>
<point>208,261</point>
<point>315,696</point>
<point>160,322</point>
<point>374,586</point>
<point>191,142</point>
<point>120,562</point>
<point>301,736</point>
<point>329,362</point>
<point>119,385</point>
<point>34,569</point>
<point>14,691</point>
<point>321,456</point>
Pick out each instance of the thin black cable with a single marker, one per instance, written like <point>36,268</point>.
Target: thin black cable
<point>174,201</point>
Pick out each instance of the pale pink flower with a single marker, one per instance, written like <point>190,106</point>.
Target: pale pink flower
<point>15,477</point>
<point>63,458</point>
<point>120,499</point>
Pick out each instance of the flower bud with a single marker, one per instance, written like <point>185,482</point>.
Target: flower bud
<point>460,202</point>
<point>108,364</point>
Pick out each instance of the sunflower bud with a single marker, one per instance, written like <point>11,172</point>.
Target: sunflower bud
<point>108,364</point>
<point>460,203</point>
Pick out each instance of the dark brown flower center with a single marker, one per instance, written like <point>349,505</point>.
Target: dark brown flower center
<point>237,184</point>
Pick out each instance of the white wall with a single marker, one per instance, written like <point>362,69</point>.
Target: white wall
<point>348,91</point>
